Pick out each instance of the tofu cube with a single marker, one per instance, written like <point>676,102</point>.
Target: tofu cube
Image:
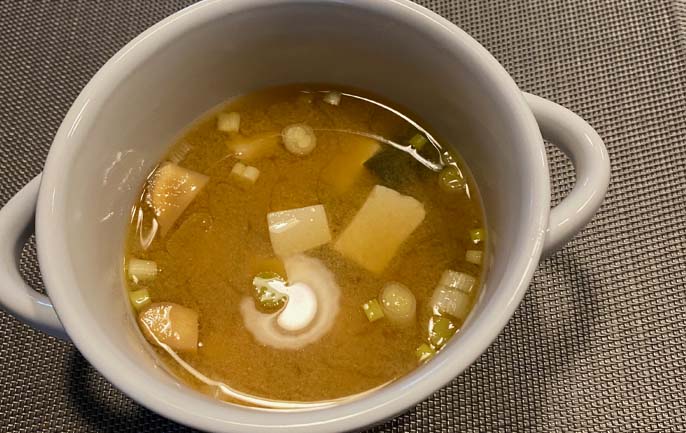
<point>383,223</point>
<point>296,230</point>
<point>245,173</point>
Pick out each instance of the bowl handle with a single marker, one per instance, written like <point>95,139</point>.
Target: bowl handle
<point>585,148</point>
<point>16,225</point>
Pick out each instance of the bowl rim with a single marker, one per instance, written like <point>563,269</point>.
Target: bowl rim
<point>204,413</point>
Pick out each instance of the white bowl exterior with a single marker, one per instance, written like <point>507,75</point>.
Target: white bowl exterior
<point>141,100</point>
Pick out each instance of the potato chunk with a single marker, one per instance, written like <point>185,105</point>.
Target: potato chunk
<point>383,223</point>
<point>347,166</point>
<point>170,324</point>
<point>171,190</point>
<point>296,230</point>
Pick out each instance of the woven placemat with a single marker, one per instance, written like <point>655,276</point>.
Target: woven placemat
<point>599,343</point>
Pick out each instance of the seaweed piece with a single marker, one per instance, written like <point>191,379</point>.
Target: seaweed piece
<point>393,167</point>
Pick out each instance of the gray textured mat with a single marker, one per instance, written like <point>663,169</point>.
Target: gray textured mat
<point>599,343</point>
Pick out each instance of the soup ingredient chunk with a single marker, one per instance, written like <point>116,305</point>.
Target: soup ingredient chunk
<point>342,172</point>
<point>310,311</point>
<point>450,180</point>
<point>383,223</point>
<point>451,296</point>
<point>477,235</point>
<point>393,168</point>
<point>172,189</point>
<point>418,141</point>
<point>299,139</point>
<point>142,270</point>
<point>424,352</point>
<point>246,174</point>
<point>228,122</point>
<point>171,324</point>
<point>450,301</point>
<point>139,298</point>
<point>372,309</point>
<point>441,329</point>
<point>474,257</point>
<point>270,292</point>
<point>398,303</point>
<point>179,152</point>
<point>296,230</point>
<point>333,98</point>
<point>254,147</point>
<point>457,280</point>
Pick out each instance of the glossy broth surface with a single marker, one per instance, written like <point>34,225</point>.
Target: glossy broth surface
<point>207,259</point>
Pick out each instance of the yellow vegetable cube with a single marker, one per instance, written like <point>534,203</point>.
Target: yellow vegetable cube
<point>255,147</point>
<point>296,230</point>
<point>347,166</point>
<point>383,223</point>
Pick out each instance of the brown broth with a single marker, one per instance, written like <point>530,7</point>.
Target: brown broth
<point>206,259</point>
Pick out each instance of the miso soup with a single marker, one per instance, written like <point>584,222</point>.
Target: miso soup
<point>303,245</point>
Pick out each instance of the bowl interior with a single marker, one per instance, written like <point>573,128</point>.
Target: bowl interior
<point>158,84</point>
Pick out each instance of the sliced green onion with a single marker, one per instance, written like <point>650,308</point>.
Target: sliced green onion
<point>424,352</point>
<point>418,141</point>
<point>474,256</point>
<point>139,298</point>
<point>450,179</point>
<point>333,98</point>
<point>228,122</point>
<point>440,330</point>
<point>267,294</point>
<point>373,310</point>
<point>477,235</point>
<point>457,280</point>
<point>142,270</point>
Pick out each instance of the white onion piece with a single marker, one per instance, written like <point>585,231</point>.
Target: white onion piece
<point>457,280</point>
<point>142,270</point>
<point>398,303</point>
<point>299,139</point>
<point>302,271</point>
<point>450,301</point>
<point>228,122</point>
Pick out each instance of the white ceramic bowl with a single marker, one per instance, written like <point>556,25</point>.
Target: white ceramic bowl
<point>129,113</point>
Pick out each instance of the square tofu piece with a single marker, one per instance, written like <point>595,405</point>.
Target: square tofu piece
<point>378,229</point>
<point>296,230</point>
